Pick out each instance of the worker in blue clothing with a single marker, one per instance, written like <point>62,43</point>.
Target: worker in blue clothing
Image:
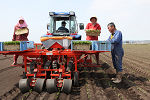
<point>116,51</point>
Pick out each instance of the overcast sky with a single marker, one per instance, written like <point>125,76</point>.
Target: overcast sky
<point>132,17</point>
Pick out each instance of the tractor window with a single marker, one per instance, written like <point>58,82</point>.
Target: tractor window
<point>57,24</point>
<point>73,24</point>
<point>61,24</point>
<point>51,25</point>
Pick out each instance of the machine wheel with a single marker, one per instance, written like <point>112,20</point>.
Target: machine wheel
<point>76,78</point>
<point>67,85</point>
<point>39,85</point>
<point>51,85</point>
<point>24,85</point>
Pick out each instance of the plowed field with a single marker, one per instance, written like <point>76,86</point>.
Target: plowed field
<point>94,83</point>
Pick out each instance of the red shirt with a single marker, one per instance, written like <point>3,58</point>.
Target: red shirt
<point>95,27</point>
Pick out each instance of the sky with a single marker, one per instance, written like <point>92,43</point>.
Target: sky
<point>132,17</point>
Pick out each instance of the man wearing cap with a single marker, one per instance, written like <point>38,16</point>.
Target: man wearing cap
<point>93,26</point>
<point>63,27</point>
<point>116,51</point>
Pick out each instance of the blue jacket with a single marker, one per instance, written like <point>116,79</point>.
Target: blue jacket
<point>116,42</point>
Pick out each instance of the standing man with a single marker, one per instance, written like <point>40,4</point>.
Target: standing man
<point>116,51</point>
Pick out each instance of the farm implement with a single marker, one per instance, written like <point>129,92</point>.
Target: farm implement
<point>54,64</point>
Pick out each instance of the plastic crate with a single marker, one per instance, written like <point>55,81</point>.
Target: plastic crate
<point>83,47</point>
<point>30,44</point>
<point>1,46</point>
<point>24,45</point>
<point>101,46</point>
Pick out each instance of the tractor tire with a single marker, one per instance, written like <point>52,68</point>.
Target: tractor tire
<point>24,85</point>
<point>67,85</point>
<point>51,85</point>
<point>39,85</point>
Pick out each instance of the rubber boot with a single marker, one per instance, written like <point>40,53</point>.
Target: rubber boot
<point>118,78</point>
<point>114,78</point>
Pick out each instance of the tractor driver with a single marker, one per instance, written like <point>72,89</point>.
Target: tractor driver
<point>63,27</point>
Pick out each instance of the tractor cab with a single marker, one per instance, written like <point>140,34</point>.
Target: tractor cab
<point>64,24</point>
<point>61,30</point>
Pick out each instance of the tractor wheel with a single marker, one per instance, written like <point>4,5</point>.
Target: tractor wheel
<point>51,85</point>
<point>24,85</point>
<point>67,85</point>
<point>76,79</point>
<point>39,85</point>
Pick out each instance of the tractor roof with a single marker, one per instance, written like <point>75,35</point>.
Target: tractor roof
<point>61,13</point>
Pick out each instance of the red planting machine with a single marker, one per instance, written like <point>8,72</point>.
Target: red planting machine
<point>53,64</point>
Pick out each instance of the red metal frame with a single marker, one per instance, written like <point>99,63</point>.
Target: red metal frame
<point>37,54</point>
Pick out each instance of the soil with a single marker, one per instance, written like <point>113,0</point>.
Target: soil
<point>94,83</point>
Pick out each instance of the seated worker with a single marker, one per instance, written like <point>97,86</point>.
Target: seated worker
<point>93,26</point>
<point>23,37</point>
<point>63,27</point>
